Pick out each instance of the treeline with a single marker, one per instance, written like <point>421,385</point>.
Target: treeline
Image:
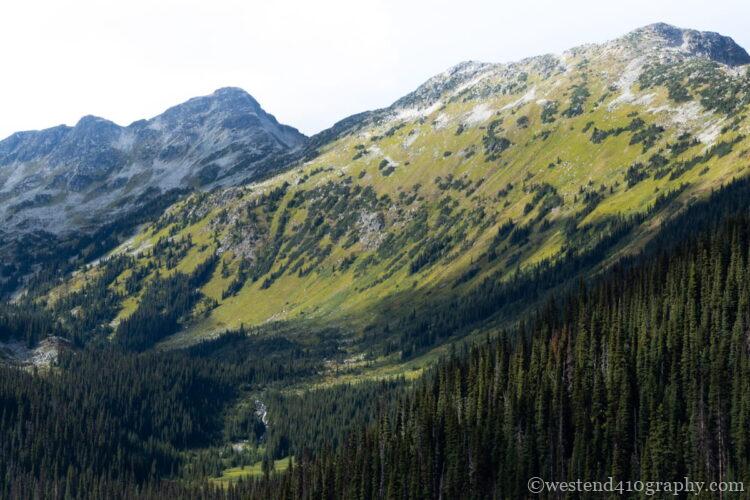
<point>644,374</point>
<point>588,246</point>
<point>45,257</point>
<point>77,315</point>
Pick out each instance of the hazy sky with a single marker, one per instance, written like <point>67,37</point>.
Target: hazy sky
<point>310,63</point>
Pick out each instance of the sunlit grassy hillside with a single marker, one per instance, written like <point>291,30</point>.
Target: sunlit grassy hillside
<point>483,171</point>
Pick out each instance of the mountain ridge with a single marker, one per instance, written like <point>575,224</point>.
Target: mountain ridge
<point>223,137</point>
<point>659,37</point>
<point>221,93</point>
<point>485,173</point>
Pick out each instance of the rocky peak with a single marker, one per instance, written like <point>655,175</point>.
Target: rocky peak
<point>694,43</point>
<point>91,121</point>
<point>231,109</point>
<point>65,178</point>
<point>94,129</point>
<point>225,100</point>
<point>234,96</point>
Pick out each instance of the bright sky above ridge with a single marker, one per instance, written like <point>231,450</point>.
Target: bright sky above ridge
<point>310,63</point>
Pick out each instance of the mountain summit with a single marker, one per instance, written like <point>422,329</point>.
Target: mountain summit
<point>690,42</point>
<point>68,178</point>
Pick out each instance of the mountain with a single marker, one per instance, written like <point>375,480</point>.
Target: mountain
<point>67,178</point>
<point>67,194</point>
<point>528,269</point>
<point>484,173</point>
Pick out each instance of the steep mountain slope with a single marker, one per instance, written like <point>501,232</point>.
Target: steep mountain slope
<point>484,171</point>
<point>66,188</point>
<point>467,210</point>
<point>641,374</point>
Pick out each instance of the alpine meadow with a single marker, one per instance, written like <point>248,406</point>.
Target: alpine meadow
<point>536,269</point>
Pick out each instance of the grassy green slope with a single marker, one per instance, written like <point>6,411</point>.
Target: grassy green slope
<point>488,169</point>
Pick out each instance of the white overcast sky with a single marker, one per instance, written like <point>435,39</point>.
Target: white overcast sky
<point>310,63</point>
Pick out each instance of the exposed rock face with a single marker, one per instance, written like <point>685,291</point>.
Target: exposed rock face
<point>707,44</point>
<point>371,232</point>
<point>43,355</point>
<point>69,178</point>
